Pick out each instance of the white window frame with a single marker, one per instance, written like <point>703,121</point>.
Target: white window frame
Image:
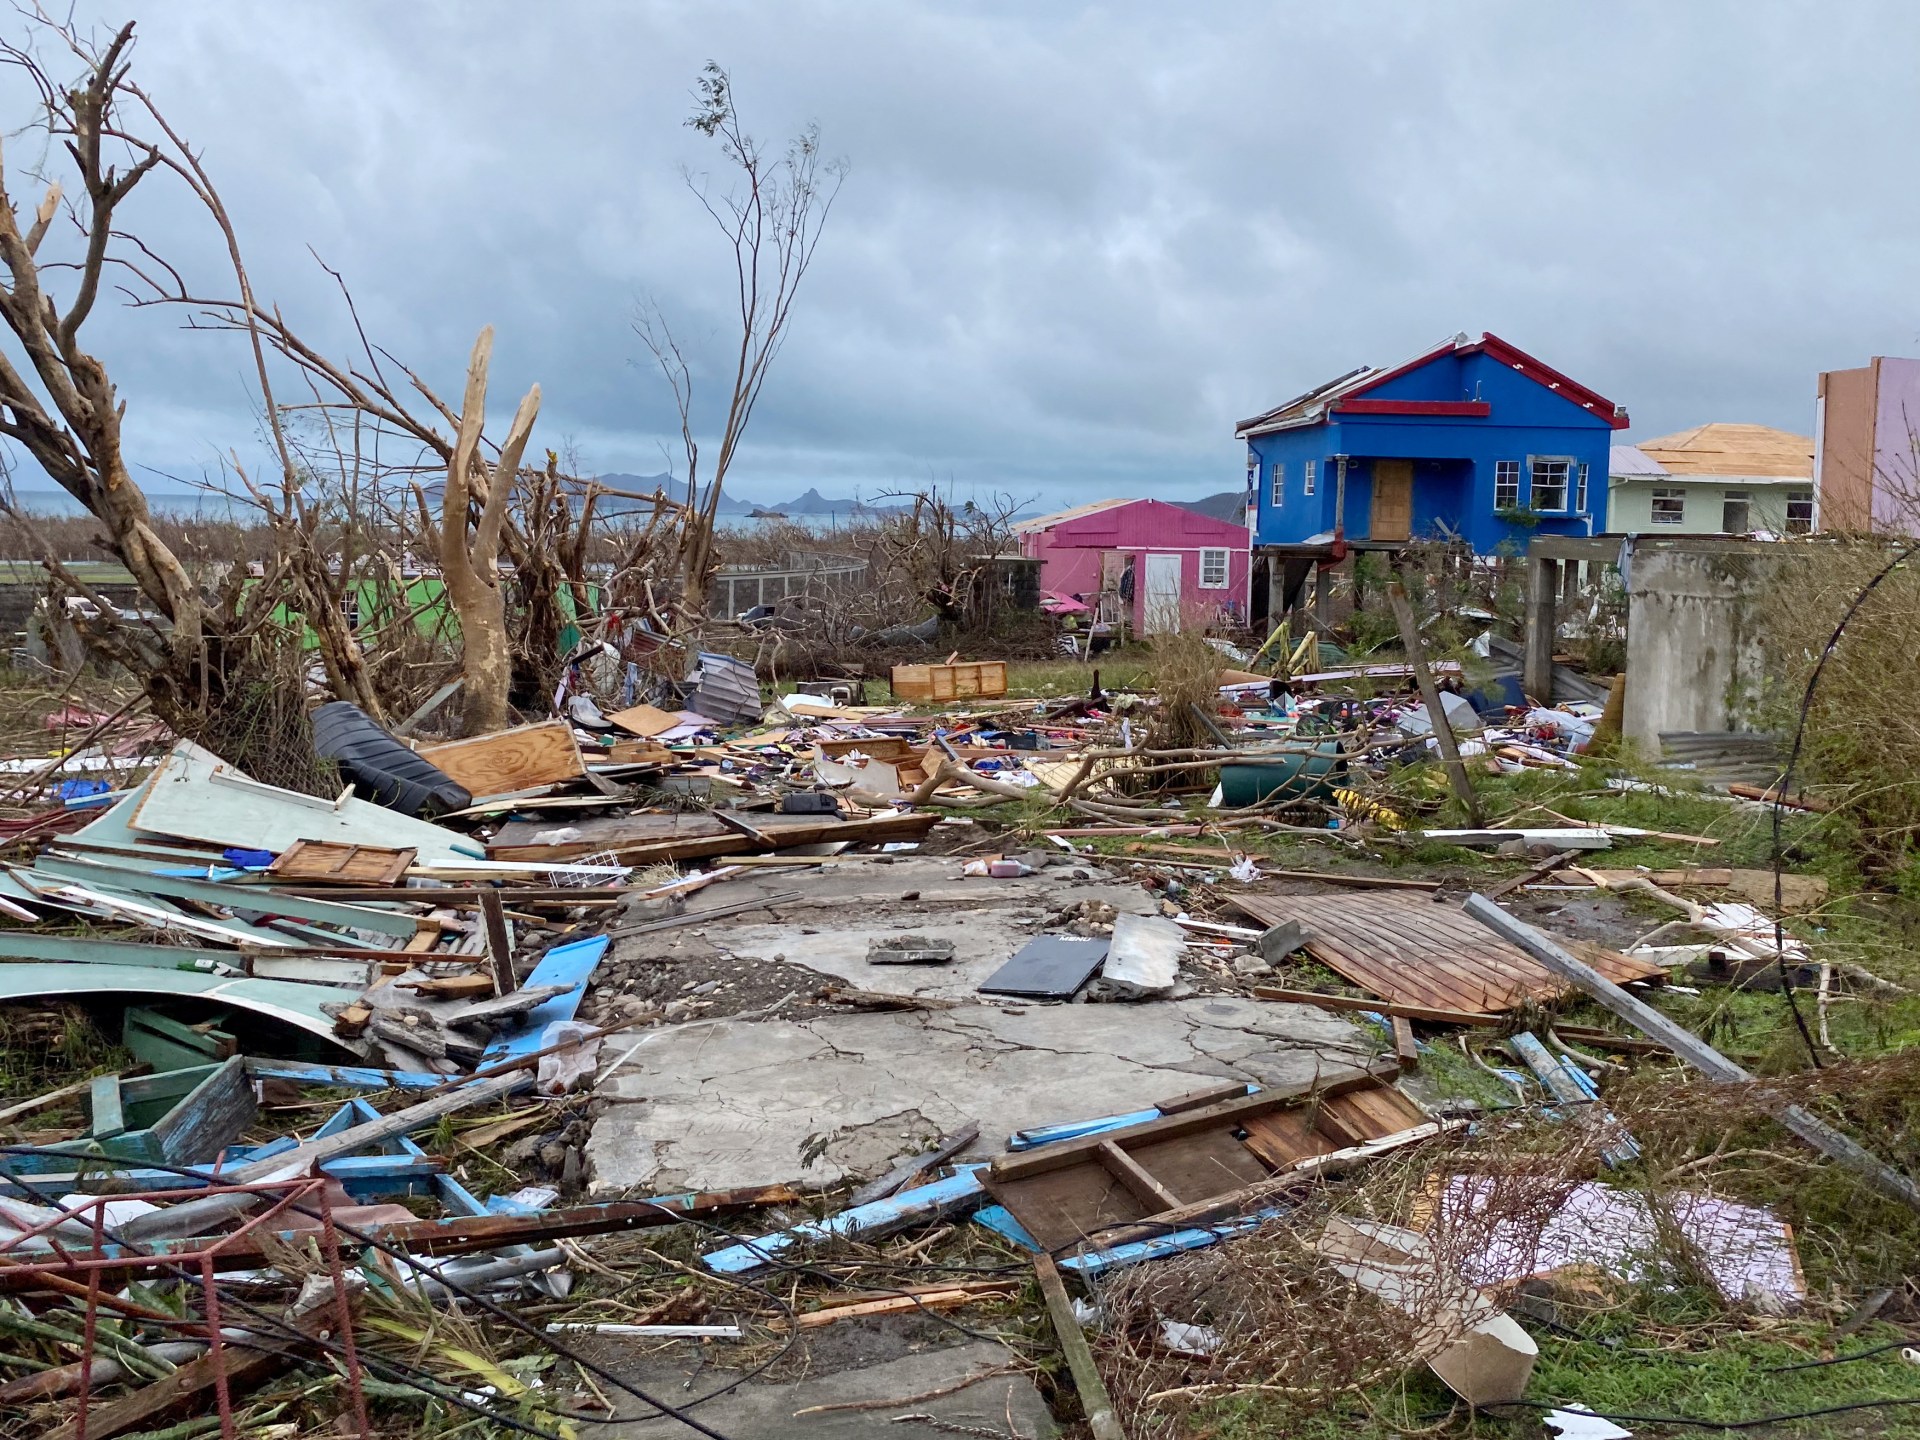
<point>1804,524</point>
<point>1277,487</point>
<point>1580,491</point>
<point>1309,477</point>
<point>1210,557</point>
<point>1506,477</point>
<point>1736,497</point>
<point>1564,463</point>
<point>1674,494</point>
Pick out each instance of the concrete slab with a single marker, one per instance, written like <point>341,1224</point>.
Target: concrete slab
<point>736,1103</point>
<point>849,905</point>
<point>759,1411</point>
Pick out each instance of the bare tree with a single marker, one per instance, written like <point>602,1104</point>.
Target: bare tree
<point>772,219</point>
<point>470,553</point>
<point>58,404</point>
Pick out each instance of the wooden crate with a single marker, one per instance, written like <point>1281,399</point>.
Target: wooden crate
<point>965,680</point>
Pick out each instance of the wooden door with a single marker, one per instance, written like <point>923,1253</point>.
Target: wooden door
<point>1392,517</point>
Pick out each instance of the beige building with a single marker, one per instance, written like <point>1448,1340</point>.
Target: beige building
<point>1713,480</point>
<point>1867,426</point>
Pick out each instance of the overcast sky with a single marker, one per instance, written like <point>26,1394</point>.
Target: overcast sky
<point>1075,244</point>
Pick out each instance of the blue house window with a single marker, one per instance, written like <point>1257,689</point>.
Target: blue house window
<point>1550,475</point>
<point>1279,494</point>
<point>1506,485</point>
<point>1580,489</point>
<point>1306,486</point>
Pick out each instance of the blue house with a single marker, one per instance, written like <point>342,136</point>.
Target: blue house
<point>1472,441</point>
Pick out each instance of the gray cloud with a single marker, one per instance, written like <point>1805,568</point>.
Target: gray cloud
<point>1076,243</point>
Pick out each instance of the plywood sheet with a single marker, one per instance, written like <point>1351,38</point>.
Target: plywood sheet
<point>508,760</point>
<point>980,679</point>
<point>1412,951</point>
<point>645,721</point>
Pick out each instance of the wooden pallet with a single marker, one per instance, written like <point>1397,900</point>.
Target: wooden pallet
<point>1414,952</point>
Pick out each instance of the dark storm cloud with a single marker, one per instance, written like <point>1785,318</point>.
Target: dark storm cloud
<point>1076,243</point>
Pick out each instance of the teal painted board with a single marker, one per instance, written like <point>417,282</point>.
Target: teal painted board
<point>196,796</point>
<point>569,965</point>
<point>209,892</point>
<point>106,1116</point>
<point>286,1001</point>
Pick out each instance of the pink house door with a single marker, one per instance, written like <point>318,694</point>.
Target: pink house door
<point>1160,609</point>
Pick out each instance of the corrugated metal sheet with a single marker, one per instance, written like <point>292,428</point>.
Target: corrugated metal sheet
<point>1627,460</point>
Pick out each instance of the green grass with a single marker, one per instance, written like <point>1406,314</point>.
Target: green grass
<point>1614,1370</point>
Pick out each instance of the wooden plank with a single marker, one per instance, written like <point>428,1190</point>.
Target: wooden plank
<point>213,1116</point>
<point>1094,1401</point>
<point>1073,1152</point>
<point>1195,1099</point>
<point>519,759</point>
<point>1695,1051</point>
<point>493,915</point>
<point>1129,1172</point>
<point>1283,1138</point>
<point>327,862</point>
<point>1405,1048</point>
<point>1193,1167</point>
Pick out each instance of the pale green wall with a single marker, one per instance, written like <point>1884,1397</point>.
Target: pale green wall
<point>1630,506</point>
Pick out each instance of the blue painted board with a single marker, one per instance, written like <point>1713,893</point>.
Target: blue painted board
<point>959,1192</point>
<point>569,965</point>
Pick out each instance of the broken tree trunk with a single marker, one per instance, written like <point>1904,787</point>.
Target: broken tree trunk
<point>1436,711</point>
<point>470,544</point>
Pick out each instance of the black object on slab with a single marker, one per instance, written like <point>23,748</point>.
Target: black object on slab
<point>1048,967</point>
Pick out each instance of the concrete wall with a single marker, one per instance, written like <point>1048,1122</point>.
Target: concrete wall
<point>1693,659</point>
<point>1844,454</point>
<point>1896,444</point>
<point>1630,505</point>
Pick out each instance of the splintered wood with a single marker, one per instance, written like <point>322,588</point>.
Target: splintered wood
<point>1416,953</point>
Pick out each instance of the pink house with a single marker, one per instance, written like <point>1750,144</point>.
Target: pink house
<point>1152,565</point>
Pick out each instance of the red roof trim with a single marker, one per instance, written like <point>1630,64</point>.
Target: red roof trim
<point>1479,408</point>
<point>1546,375</point>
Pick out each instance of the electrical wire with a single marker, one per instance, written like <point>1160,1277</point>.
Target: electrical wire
<point>1866,1354</point>
<point>1780,797</point>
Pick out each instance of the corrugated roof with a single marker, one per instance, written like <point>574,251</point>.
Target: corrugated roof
<point>1059,517</point>
<point>1745,450</point>
<point>1632,460</point>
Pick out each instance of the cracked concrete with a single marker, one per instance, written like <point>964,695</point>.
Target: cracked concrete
<point>731,1103</point>
<point>851,905</point>
<point>815,1099</point>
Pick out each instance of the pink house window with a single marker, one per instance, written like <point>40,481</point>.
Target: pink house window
<point>1213,569</point>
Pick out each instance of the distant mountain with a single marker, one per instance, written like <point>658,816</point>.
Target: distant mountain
<point>1228,505</point>
<point>673,489</point>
